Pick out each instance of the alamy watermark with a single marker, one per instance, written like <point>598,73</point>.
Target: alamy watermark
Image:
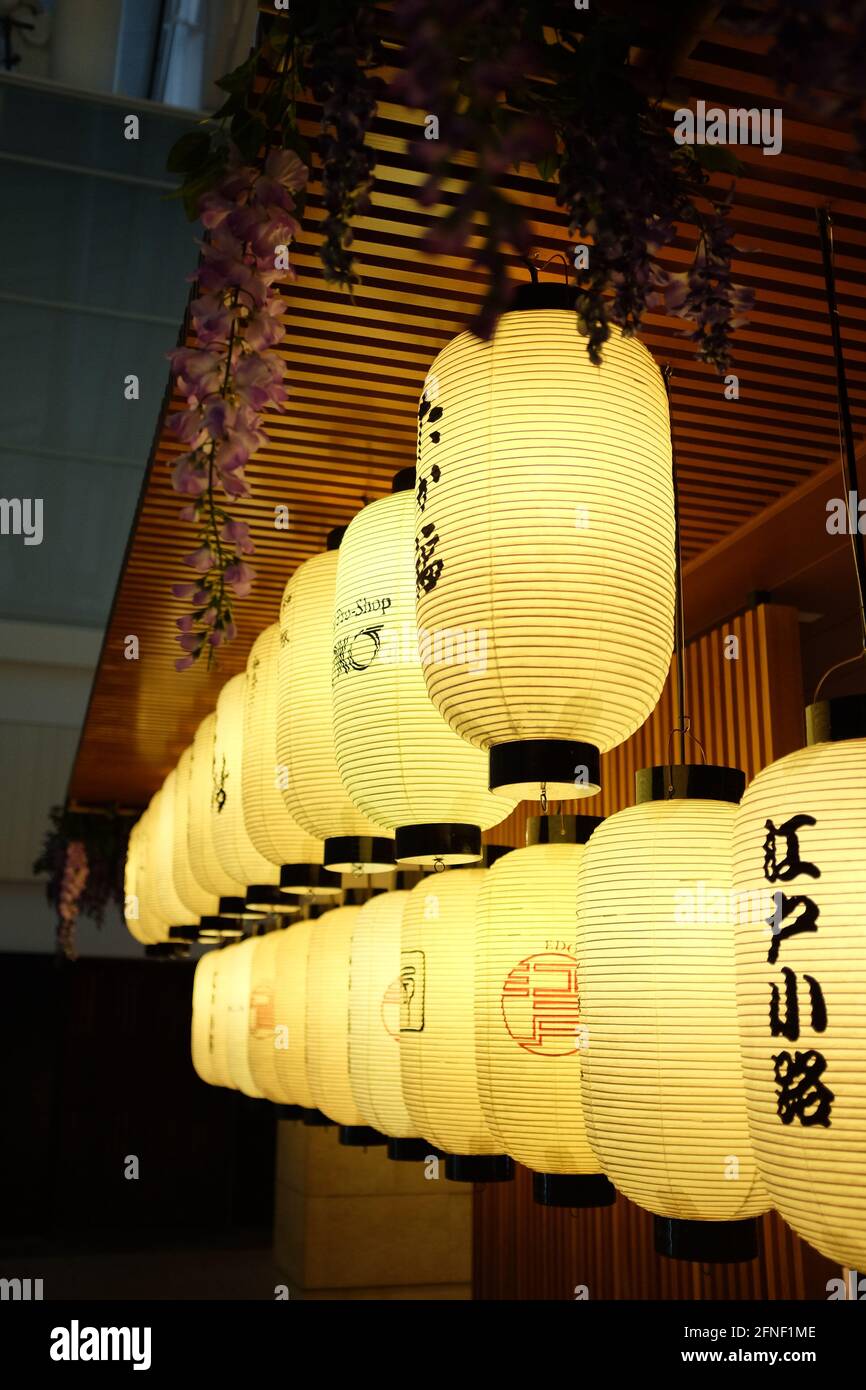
<point>739,125</point>
<point>22,516</point>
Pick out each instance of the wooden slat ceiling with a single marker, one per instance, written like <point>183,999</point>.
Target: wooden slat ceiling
<point>354,368</point>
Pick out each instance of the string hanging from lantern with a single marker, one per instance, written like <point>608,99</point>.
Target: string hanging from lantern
<point>683,724</point>
<point>846,434</point>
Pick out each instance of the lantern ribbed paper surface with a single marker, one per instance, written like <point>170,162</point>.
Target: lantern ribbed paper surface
<point>264,1034</point>
<point>400,762</point>
<point>190,891</point>
<point>527,1009</point>
<point>205,864</point>
<point>235,849</point>
<point>663,1090</point>
<point>437,1013</point>
<point>327,1022</point>
<point>545,528</point>
<point>204,999</point>
<point>800,834</point>
<point>239,967</point>
<point>314,794</point>
<point>172,909</point>
<point>374,1016</point>
<point>291,1012</point>
<point>152,924</point>
<point>133,883</point>
<point>271,829</point>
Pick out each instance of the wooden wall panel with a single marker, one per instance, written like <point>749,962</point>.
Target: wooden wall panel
<point>746,711</point>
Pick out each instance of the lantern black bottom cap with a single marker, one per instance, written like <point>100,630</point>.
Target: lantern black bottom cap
<point>317,1117</point>
<point>308,878</point>
<point>437,843</point>
<point>572,1190</point>
<point>365,854</point>
<point>361,1136</point>
<point>567,769</point>
<point>479,1168</point>
<point>289,1112</point>
<point>409,1150</point>
<point>706,1242</point>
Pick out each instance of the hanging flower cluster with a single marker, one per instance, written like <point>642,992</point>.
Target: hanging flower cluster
<point>229,379</point>
<point>72,883</point>
<point>84,855</point>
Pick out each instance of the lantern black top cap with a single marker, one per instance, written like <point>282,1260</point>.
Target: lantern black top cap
<point>694,781</point>
<point>547,294</point>
<point>560,830</point>
<point>403,480</point>
<point>335,536</point>
<point>833,721</point>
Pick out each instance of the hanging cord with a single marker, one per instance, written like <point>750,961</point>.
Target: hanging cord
<point>535,266</point>
<point>846,432</point>
<point>683,725</point>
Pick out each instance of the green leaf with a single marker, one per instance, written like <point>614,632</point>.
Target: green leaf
<point>547,165</point>
<point>239,78</point>
<point>189,152</point>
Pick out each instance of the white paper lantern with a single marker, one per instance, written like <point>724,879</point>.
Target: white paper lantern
<point>437,1025</point>
<point>327,1017</point>
<point>235,849</point>
<point>204,861</point>
<point>374,1023</point>
<point>273,832</point>
<point>204,1007</point>
<point>801,978</point>
<point>528,1023</point>
<point>545,529</point>
<point>133,882</point>
<point>398,759</point>
<point>171,907</point>
<point>266,1034</point>
<point>238,965</point>
<point>290,1003</point>
<point>314,794</point>
<point>152,925</point>
<point>662,1079</point>
<point>196,899</point>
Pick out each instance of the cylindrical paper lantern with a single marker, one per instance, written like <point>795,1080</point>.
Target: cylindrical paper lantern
<point>314,792</point>
<point>133,882</point>
<point>204,861</point>
<point>239,965</point>
<point>545,531</point>
<point>528,1024</point>
<point>374,1017</point>
<point>662,1079</point>
<point>437,1025</point>
<point>266,1034</point>
<point>801,978</point>
<point>399,761</point>
<point>153,926</point>
<point>235,849</point>
<point>273,832</point>
<point>204,1003</point>
<point>290,1004</point>
<point>196,899</point>
<point>172,908</point>
<point>327,1016</point>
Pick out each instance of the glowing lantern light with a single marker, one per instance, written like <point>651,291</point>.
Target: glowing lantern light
<point>204,1001</point>
<point>198,901</point>
<point>290,1007</point>
<point>134,882</point>
<point>437,1026</point>
<point>273,832</point>
<point>171,908</point>
<point>204,860</point>
<point>314,793</point>
<point>327,1023</point>
<point>265,1034</point>
<point>239,965</point>
<point>801,978</point>
<point>529,1034</point>
<point>663,1092</point>
<point>398,759</point>
<point>374,1024</point>
<point>545,521</point>
<point>236,850</point>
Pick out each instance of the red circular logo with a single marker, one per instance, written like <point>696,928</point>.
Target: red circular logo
<point>541,1006</point>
